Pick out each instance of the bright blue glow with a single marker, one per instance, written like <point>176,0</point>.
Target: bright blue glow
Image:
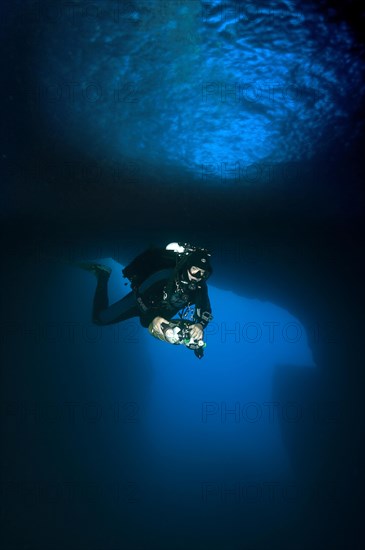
<point>188,402</point>
<point>190,399</point>
<point>211,88</point>
<point>179,440</point>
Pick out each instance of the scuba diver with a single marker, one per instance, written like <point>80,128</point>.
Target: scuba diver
<point>164,282</point>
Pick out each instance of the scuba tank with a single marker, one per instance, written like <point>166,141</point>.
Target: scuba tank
<point>185,249</point>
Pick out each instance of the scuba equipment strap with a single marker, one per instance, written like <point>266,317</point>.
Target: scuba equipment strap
<point>186,313</point>
<point>141,289</point>
<point>156,277</point>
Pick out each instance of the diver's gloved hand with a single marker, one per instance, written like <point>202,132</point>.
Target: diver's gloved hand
<point>156,328</point>
<point>196,332</point>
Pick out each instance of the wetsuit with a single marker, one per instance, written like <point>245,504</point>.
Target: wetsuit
<point>158,291</point>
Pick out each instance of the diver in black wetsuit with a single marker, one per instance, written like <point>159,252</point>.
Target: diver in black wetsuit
<point>164,282</point>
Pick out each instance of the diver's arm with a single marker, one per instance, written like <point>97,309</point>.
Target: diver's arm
<point>155,328</point>
<point>203,310</point>
<point>196,331</point>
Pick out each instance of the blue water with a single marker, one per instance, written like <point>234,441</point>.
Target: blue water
<point>216,90</point>
<point>125,440</point>
<point>187,418</point>
<point>121,428</point>
<point>199,437</point>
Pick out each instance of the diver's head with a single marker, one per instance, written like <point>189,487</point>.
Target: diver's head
<point>198,266</point>
<point>195,273</point>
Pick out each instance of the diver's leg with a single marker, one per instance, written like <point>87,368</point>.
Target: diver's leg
<point>102,313</point>
<point>119,311</point>
<point>101,300</point>
<point>102,274</point>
